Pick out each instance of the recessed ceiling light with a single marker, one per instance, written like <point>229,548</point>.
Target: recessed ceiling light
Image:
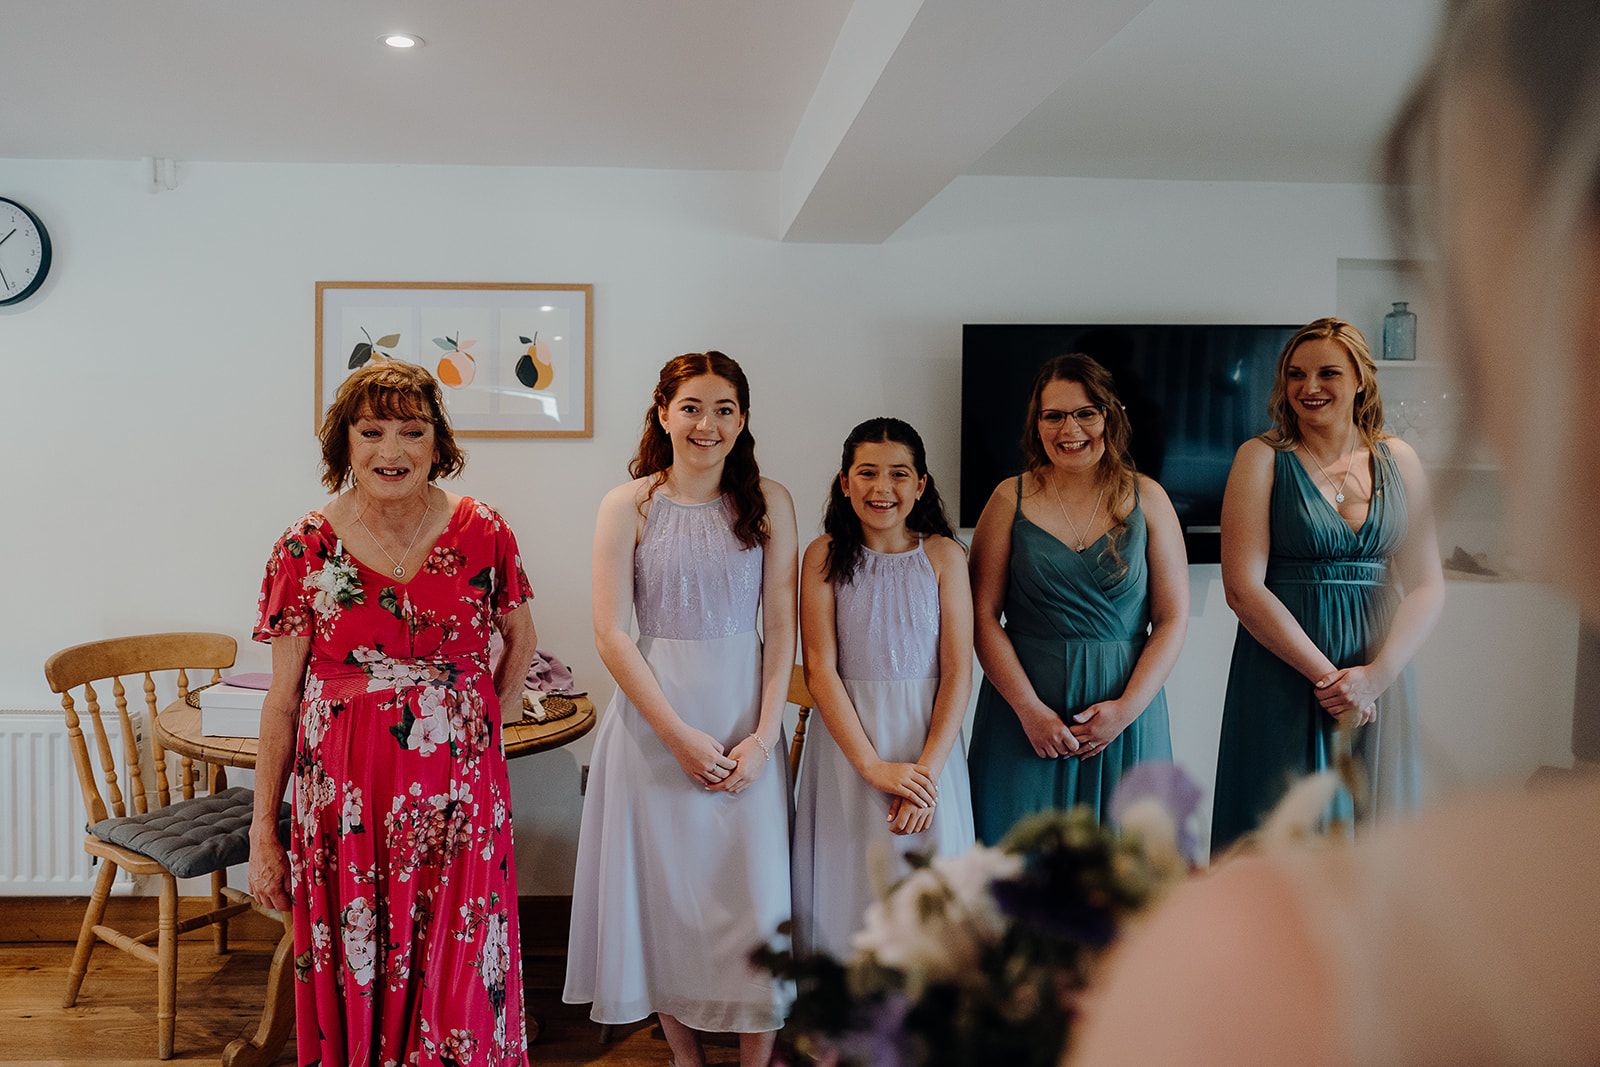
<point>402,40</point>
<point>548,307</point>
<point>557,337</point>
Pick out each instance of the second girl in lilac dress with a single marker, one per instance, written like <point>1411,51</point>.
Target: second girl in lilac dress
<point>887,626</point>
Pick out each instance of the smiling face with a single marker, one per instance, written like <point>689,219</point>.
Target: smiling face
<point>391,459</point>
<point>1071,426</point>
<point>703,419</point>
<point>1321,384</point>
<point>882,484</point>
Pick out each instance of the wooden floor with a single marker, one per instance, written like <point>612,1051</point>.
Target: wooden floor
<point>219,998</point>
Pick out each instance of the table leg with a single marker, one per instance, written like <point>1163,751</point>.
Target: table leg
<point>278,1016</point>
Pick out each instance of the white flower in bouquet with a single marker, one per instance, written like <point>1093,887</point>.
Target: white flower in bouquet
<point>934,925</point>
<point>1157,830</point>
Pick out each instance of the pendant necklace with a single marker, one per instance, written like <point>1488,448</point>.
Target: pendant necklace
<point>1338,490</point>
<point>399,568</point>
<point>1076,536</point>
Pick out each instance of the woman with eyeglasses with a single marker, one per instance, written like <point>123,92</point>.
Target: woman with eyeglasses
<point>1083,559</point>
<point>1330,561</point>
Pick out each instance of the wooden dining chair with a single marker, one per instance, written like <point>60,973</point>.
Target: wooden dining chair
<point>800,696</point>
<point>150,832</point>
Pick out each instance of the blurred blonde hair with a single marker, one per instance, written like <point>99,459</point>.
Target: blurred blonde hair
<point>1542,57</point>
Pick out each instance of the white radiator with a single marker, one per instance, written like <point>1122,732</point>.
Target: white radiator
<point>41,808</point>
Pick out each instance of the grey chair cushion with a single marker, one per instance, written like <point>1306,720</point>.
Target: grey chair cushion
<point>190,837</point>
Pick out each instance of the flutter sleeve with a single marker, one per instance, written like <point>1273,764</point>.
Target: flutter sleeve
<point>284,606</point>
<point>511,587</point>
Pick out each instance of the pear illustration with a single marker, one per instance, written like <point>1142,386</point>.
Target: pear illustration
<point>535,369</point>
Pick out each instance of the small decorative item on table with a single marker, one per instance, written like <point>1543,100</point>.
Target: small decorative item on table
<point>981,958</point>
<point>1400,333</point>
<point>547,707</point>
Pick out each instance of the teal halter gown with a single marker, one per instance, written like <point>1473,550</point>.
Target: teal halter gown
<point>1078,626</point>
<point>1335,582</point>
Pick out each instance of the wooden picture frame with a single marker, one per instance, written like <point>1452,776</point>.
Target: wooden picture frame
<point>513,359</point>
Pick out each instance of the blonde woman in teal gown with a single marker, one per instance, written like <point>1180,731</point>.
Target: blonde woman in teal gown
<point>1080,603</point>
<point>1330,561</point>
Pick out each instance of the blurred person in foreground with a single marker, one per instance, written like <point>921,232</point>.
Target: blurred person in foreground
<point>1473,933</point>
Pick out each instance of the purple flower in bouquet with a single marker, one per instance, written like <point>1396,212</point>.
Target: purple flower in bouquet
<point>882,1041</point>
<point>1159,800</point>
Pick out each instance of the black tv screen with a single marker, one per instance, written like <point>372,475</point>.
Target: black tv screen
<point>1193,395</point>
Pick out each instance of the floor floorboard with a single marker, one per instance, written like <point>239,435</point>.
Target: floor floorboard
<point>219,999</point>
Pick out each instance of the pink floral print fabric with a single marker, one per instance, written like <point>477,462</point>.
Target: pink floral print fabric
<point>403,883</point>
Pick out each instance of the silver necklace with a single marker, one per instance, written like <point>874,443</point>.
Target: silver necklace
<point>1338,490</point>
<point>1076,536</point>
<point>399,568</point>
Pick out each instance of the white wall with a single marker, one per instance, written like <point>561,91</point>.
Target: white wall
<point>159,403</point>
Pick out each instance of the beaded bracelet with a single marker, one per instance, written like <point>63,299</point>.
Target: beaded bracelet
<point>766,750</point>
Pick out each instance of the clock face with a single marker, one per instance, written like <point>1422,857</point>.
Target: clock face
<point>24,252</point>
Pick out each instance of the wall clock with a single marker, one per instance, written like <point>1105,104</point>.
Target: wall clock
<point>24,252</point>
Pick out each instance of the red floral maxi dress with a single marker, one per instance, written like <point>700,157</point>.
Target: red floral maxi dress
<point>403,883</point>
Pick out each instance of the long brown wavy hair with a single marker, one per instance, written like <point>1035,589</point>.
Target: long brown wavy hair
<point>840,520</point>
<point>741,476</point>
<point>1117,474</point>
<point>1368,413</point>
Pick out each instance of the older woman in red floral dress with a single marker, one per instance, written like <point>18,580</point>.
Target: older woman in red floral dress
<point>399,873</point>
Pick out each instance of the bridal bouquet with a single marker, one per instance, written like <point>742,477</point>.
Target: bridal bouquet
<point>980,958</point>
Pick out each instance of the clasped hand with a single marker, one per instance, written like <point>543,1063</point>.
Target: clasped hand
<point>912,792</point>
<point>1352,689</point>
<point>1097,725</point>
<point>706,763</point>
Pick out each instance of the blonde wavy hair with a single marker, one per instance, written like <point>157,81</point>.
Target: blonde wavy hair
<point>1368,413</point>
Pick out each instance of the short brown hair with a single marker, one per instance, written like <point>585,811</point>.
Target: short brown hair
<point>1368,413</point>
<point>387,389</point>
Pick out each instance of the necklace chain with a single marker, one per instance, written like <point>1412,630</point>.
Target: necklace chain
<point>1338,490</point>
<point>1076,536</point>
<point>399,567</point>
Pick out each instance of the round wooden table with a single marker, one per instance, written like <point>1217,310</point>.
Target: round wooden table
<point>178,730</point>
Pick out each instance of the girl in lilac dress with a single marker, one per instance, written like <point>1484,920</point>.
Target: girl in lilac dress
<point>683,853</point>
<point>887,626</point>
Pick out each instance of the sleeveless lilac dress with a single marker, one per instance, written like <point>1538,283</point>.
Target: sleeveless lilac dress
<point>887,621</point>
<point>676,885</point>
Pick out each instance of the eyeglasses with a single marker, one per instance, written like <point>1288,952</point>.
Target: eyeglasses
<point>1088,418</point>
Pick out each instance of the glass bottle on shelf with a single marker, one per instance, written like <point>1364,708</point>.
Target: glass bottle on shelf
<point>1400,333</point>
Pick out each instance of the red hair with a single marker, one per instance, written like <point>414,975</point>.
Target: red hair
<point>741,476</point>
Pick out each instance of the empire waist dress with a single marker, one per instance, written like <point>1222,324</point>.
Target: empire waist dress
<point>675,885</point>
<point>1335,582</point>
<point>403,884</point>
<point>1078,622</point>
<point>887,622</point>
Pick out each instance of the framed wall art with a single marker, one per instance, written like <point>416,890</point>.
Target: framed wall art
<point>515,360</point>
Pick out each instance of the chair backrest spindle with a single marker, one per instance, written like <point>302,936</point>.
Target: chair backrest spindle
<point>163,789</point>
<point>83,665</point>
<point>130,748</point>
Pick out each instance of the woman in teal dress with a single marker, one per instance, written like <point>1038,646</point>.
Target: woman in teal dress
<point>1081,597</point>
<point>1330,561</point>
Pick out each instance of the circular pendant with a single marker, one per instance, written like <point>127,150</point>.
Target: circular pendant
<point>400,572</point>
<point>1338,498</point>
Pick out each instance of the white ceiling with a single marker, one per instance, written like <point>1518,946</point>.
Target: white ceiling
<point>1247,90</point>
<point>889,97</point>
<point>696,84</point>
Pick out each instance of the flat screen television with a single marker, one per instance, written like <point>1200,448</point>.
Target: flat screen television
<point>1193,395</point>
